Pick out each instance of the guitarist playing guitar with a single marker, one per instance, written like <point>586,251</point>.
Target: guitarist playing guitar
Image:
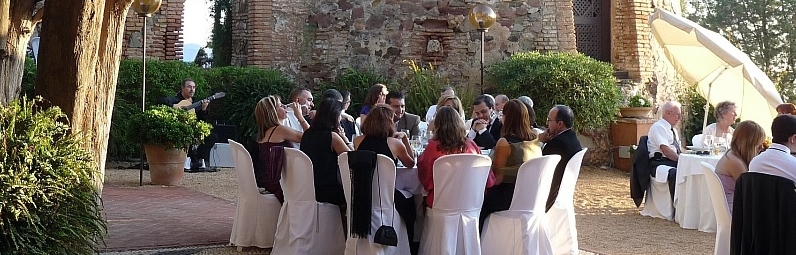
<point>185,97</point>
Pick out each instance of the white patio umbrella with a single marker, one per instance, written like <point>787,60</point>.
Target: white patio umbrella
<point>720,71</point>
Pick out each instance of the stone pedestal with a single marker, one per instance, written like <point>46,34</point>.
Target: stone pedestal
<point>624,133</point>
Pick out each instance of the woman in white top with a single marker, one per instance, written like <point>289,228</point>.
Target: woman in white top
<point>725,117</point>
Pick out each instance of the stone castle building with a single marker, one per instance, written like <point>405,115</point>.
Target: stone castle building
<point>313,41</point>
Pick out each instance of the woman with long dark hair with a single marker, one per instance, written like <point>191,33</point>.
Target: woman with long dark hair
<point>322,143</point>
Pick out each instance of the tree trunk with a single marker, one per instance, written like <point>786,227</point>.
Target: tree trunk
<point>17,19</point>
<point>80,50</point>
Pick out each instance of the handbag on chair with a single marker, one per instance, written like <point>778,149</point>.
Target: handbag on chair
<point>385,235</point>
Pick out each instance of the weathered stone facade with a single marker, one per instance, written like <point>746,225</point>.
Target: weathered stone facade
<point>164,33</point>
<point>314,40</point>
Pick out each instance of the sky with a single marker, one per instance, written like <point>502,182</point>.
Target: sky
<point>196,25</point>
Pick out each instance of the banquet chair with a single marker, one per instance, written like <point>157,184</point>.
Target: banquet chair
<point>523,229</point>
<point>697,140</point>
<point>256,214</point>
<point>451,227</point>
<point>762,215</point>
<point>561,217</point>
<point>382,209</point>
<point>305,226</point>
<point>657,201</point>
<point>719,201</point>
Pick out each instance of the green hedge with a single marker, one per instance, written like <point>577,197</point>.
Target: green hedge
<point>580,82</point>
<point>48,201</point>
<point>244,86</point>
<point>694,113</point>
<point>357,83</point>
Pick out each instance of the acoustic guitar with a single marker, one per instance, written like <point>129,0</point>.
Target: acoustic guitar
<point>190,106</point>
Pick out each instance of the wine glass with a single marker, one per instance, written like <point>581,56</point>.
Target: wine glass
<point>415,143</point>
<point>708,141</point>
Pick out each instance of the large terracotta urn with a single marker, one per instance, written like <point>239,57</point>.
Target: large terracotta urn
<point>165,165</point>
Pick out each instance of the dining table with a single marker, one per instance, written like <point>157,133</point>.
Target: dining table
<point>693,208</point>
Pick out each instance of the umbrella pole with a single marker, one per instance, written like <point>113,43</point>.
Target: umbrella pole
<point>707,100</point>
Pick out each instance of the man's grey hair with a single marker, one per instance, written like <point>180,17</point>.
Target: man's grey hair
<point>671,105</point>
<point>526,100</point>
<point>501,98</point>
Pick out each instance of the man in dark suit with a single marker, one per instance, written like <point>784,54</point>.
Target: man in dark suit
<point>403,119</point>
<point>485,126</point>
<point>199,154</point>
<point>559,139</point>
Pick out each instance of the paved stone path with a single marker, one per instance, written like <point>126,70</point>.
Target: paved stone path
<point>151,217</point>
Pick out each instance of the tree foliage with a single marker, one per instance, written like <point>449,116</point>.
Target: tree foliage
<point>221,41</point>
<point>763,29</point>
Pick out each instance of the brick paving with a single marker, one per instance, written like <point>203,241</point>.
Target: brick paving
<point>152,217</point>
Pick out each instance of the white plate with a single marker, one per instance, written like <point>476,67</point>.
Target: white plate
<point>697,148</point>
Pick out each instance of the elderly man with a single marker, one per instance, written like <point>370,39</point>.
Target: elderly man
<point>779,158</point>
<point>485,126</point>
<point>560,140</point>
<point>664,144</point>
<point>446,91</point>
<point>403,120</point>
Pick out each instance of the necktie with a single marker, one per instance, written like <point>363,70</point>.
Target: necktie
<point>676,143</point>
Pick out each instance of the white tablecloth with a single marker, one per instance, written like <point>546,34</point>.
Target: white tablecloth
<point>693,209</point>
<point>407,181</point>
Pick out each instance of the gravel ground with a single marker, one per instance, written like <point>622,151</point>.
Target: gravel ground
<point>607,220</point>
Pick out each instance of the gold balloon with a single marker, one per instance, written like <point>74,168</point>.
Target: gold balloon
<point>482,16</point>
<point>146,7</point>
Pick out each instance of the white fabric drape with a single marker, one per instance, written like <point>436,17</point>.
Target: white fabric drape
<point>451,227</point>
<point>523,229</point>
<point>720,208</point>
<point>305,226</point>
<point>382,212</point>
<point>256,214</point>
<point>561,217</point>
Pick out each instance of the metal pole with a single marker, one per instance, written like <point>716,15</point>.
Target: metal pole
<point>482,59</point>
<point>143,102</point>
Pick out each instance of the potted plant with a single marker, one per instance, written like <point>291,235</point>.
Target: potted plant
<point>637,107</point>
<point>167,133</point>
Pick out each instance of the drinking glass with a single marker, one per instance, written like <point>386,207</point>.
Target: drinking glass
<point>708,141</point>
<point>416,144</point>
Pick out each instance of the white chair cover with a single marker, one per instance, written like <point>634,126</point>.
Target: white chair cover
<point>452,225</point>
<point>561,217</point>
<point>658,202</point>
<point>423,126</point>
<point>720,208</point>
<point>697,140</point>
<point>305,226</point>
<point>256,214</point>
<point>522,230</point>
<point>384,214</point>
<point>358,125</point>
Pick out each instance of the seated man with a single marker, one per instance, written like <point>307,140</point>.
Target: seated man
<point>485,126</point>
<point>559,140</point>
<point>201,153</point>
<point>403,120</point>
<point>663,143</point>
<point>779,158</point>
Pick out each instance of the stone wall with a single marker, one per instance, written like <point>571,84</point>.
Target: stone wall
<point>312,41</point>
<point>164,33</point>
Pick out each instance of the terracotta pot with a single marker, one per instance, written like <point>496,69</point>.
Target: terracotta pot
<point>635,112</point>
<point>165,166</point>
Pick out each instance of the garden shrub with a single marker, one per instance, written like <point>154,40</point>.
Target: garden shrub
<point>422,87</point>
<point>245,86</point>
<point>48,201</point>
<point>694,113</point>
<point>357,83</point>
<point>28,78</point>
<point>573,79</point>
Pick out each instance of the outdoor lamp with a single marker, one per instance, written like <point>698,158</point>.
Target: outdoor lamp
<point>482,17</point>
<point>144,8</point>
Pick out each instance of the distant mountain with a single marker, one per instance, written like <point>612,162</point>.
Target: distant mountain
<point>189,51</point>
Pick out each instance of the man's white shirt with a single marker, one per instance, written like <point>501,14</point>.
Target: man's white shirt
<point>292,122</point>
<point>660,134</point>
<point>776,160</point>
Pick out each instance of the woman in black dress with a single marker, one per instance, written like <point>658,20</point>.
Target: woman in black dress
<point>322,143</point>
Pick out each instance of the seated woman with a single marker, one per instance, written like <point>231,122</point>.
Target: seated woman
<point>379,136</point>
<point>270,113</point>
<point>747,142</point>
<point>449,138</point>
<point>519,143</point>
<point>451,101</point>
<point>376,95</point>
<point>322,143</point>
<point>725,117</point>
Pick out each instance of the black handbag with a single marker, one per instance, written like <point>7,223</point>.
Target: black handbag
<point>385,235</point>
